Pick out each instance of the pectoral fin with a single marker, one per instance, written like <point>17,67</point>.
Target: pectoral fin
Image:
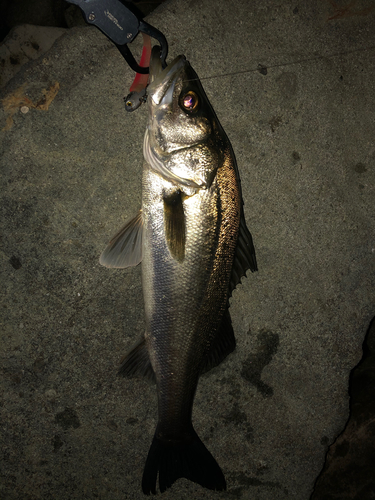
<point>125,248</point>
<point>174,225</point>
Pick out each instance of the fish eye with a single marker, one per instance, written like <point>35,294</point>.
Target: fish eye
<point>189,101</point>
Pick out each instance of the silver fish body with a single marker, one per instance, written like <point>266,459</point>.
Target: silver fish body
<point>194,245</point>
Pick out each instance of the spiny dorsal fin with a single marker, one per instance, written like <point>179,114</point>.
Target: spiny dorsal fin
<point>174,225</point>
<point>125,248</point>
<point>137,362</point>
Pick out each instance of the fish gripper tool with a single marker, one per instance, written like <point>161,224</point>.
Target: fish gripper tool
<point>121,26</point>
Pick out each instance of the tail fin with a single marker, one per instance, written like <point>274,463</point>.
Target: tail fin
<point>189,459</point>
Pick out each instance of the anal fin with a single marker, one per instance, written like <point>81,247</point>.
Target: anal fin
<point>137,362</point>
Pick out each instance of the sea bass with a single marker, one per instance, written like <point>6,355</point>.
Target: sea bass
<point>192,240</point>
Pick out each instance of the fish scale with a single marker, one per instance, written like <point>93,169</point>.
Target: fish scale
<point>176,292</point>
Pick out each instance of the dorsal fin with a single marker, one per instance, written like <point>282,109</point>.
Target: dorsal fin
<point>244,255</point>
<point>125,248</point>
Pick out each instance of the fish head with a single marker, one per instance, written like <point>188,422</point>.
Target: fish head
<point>182,126</point>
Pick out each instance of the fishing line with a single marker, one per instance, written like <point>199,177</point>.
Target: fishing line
<point>265,67</point>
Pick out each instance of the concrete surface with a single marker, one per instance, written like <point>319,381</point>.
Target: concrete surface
<point>24,44</point>
<point>301,121</point>
<point>38,12</point>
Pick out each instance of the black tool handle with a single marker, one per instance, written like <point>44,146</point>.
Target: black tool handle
<point>112,18</point>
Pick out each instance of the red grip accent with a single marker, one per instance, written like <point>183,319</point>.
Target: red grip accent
<point>140,80</point>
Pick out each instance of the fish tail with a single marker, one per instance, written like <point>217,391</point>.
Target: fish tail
<point>189,459</point>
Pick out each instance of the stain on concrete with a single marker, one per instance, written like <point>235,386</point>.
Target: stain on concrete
<point>296,156</point>
<point>254,364</point>
<point>287,83</point>
<point>262,69</point>
<point>57,443</point>
<point>39,365</point>
<point>239,419</point>
<point>275,122</point>
<point>132,421</point>
<point>67,419</point>
<point>360,168</point>
<point>247,481</point>
<point>15,262</point>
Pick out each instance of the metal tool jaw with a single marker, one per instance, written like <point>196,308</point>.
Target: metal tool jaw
<point>121,26</point>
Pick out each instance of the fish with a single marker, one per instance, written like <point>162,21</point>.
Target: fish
<point>194,245</point>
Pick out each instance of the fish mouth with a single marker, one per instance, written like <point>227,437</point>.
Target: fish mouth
<point>160,95</point>
<point>162,81</point>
